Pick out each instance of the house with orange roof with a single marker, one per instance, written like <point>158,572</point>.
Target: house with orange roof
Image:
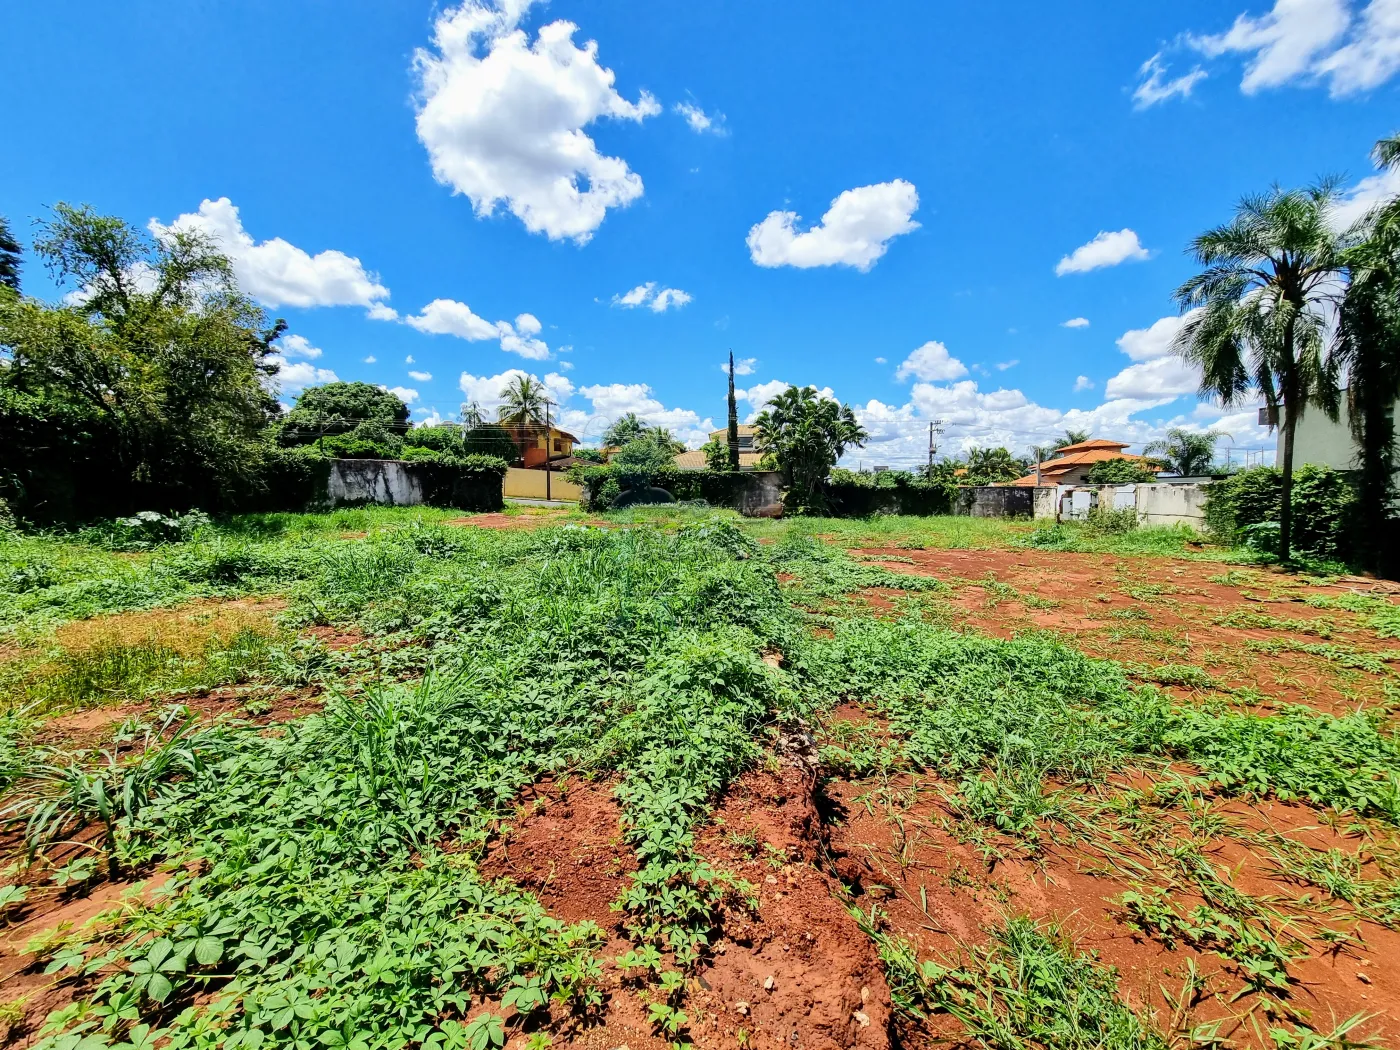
<point>1070,465</point>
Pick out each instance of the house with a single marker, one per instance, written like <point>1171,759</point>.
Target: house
<point>1321,441</point>
<point>1071,464</point>
<point>748,455</point>
<point>538,445</point>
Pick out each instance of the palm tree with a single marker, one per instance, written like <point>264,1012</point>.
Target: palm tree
<point>986,466</point>
<point>524,401</point>
<point>1369,350</point>
<point>627,427</point>
<point>1072,437</point>
<point>663,437</point>
<point>807,434</point>
<point>1256,315</point>
<point>1184,452</point>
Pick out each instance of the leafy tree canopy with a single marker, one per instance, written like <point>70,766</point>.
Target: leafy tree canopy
<point>10,257</point>
<point>987,466</point>
<point>147,387</point>
<point>806,434</point>
<point>624,430</point>
<point>1121,472</point>
<point>1185,452</point>
<point>338,408</point>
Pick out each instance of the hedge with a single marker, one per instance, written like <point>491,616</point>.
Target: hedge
<point>720,488</point>
<point>847,500</point>
<point>1239,509</point>
<point>465,482</point>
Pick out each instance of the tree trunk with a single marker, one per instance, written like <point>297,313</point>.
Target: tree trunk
<point>1285,514</point>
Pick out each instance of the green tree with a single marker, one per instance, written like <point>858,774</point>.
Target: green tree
<point>523,401</point>
<point>641,458</point>
<point>1369,351</point>
<point>1257,313</point>
<point>987,466</point>
<point>1185,452</point>
<point>1121,472</point>
<point>716,455</point>
<point>623,430</point>
<point>806,434</point>
<point>10,257</point>
<point>663,437</point>
<point>339,408</point>
<point>147,388</point>
<point>490,439</point>
<point>1071,437</point>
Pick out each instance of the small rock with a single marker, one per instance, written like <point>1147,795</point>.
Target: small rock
<point>771,879</point>
<point>862,1018</point>
<point>1363,978</point>
<point>741,1008</point>
<point>769,984</point>
<point>865,993</point>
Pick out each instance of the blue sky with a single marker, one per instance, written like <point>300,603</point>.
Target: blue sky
<point>479,187</point>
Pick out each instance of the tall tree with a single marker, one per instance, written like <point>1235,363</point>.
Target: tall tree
<point>523,401</point>
<point>1185,452</point>
<point>147,386</point>
<point>733,435</point>
<point>807,434</point>
<point>338,408</point>
<point>623,430</point>
<point>1071,437</point>
<point>1369,351</point>
<point>1257,313</point>
<point>9,257</point>
<point>986,466</point>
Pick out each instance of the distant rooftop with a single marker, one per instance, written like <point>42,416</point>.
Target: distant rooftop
<point>1092,445</point>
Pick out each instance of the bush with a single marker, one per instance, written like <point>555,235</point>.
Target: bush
<point>1121,472</point>
<point>1243,509</point>
<point>889,492</point>
<point>602,485</point>
<point>1106,521</point>
<point>442,438</point>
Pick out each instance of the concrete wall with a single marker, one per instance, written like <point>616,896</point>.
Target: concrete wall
<point>374,481</point>
<point>529,484</point>
<point>1319,440</point>
<point>995,501</point>
<point>1157,504</point>
<point>762,496</point>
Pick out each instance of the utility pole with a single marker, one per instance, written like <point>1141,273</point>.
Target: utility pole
<point>935,427</point>
<point>547,450</point>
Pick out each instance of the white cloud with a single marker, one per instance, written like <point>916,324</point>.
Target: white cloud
<point>855,231</point>
<point>277,273</point>
<point>405,394</point>
<point>421,377</point>
<point>431,417</point>
<point>299,346</point>
<point>1148,344</point>
<point>1162,377</point>
<point>1106,249</point>
<point>1372,53</point>
<point>1285,43</point>
<point>295,376</point>
<point>930,361</point>
<point>371,359</point>
<point>1364,196</point>
<point>1158,373</point>
<point>1075,322</point>
<point>408,360</point>
<point>700,121</point>
<point>1154,87</point>
<point>613,400</point>
<point>1002,366</point>
<point>504,120</point>
<point>880,361</point>
<point>1350,47</point>
<point>659,301</point>
<point>744,366</point>
<point>1083,383</point>
<point>450,317</point>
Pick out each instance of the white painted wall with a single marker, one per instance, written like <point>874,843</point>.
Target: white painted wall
<point>374,481</point>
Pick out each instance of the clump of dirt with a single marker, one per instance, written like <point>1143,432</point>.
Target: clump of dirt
<point>799,972</point>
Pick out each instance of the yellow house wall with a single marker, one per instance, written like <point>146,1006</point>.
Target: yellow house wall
<point>529,484</point>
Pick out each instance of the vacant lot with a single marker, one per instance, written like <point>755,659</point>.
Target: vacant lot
<point>390,778</point>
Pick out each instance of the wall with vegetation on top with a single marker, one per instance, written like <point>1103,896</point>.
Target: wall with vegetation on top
<point>467,484</point>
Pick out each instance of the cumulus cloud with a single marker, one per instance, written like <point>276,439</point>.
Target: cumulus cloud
<point>1002,366</point>
<point>371,359</point>
<point>880,361</point>
<point>1350,46</point>
<point>1157,372</point>
<point>855,231</point>
<point>299,346</point>
<point>1082,383</point>
<point>648,295</point>
<point>277,273</point>
<point>504,120</point>
<point>451,317</point>
<point>420,377</point>
<point>1106,249</point>
<point>295,376</point>
<point>930,361</point>
<point>487,391</point>
<point>743,366</point>
<point>701,122</point>
<point>1154,341</point>
<point>1154,85</point>
<point>1075,322</point>
<point>1364,196</point>
<point>405,394</point>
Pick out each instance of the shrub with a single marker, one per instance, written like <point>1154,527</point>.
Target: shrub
<point>1106,521</point>
<point>1244,509</point>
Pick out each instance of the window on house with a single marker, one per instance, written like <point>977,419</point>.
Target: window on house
<point>558,445</point>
